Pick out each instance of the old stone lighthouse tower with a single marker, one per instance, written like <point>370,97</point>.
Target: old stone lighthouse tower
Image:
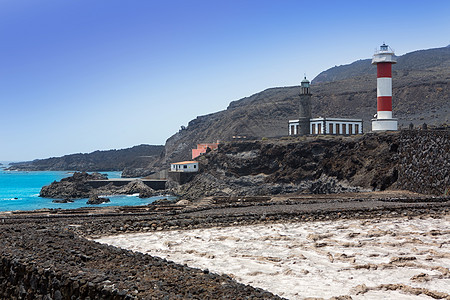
<point>305,108</point>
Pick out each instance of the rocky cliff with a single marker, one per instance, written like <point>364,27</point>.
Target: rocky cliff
<point>412,160</point>
<point>110,160</point>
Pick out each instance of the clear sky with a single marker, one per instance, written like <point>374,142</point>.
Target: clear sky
<point>85,75</point>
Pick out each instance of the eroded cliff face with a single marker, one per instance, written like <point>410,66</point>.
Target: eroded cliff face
<point>412,160</point>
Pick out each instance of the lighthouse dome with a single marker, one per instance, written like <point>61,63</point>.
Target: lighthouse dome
<point>305,82</point>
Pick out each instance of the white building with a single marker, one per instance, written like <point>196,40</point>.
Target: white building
<point>306,125</point>
<point>336,126</point>
<point>184,166</point>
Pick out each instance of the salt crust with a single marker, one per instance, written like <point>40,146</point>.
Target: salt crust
<point>315,259</point>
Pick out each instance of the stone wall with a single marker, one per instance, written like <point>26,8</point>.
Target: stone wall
<point>22,281</point>
<point>156,184</point>
<point>181,177</point>
<point>424,161</point>
<point>45,260</point>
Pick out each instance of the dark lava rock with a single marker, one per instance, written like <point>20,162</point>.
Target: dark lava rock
<point>95,199</point>
<point>62,201</point>
<point>137,187</point>
<point>164,202</point>
<point>134,187</point>
<point>73,187</point>
<point>80,186</point>
<point>414,160</point>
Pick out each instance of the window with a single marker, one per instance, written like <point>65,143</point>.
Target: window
<point>313,128</point>
<point>337,128</point>
<point>319,128</point>
<point>330,128</point>
<point>185,166</point>
<point>356,128</point>
<point>296,129</point>
<point>350,128</point>
<point>195,166</point>
<point>292,129</point>
<point>344,128</point>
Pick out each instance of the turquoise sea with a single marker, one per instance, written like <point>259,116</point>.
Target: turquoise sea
<point>20,191</point>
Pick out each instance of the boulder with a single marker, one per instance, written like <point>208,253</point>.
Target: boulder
<point>183,202</point>
<point>73,187</point>
<point>137,187</point>
<point>95,199</point>
<point>62,201</point>
<point>163,201</point>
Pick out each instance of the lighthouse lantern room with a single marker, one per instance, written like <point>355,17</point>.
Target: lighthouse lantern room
<point>384,58</point>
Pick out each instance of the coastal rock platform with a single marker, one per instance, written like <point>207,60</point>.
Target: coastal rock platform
<point>50,253</point>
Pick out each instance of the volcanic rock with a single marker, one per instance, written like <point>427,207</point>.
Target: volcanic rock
<point>137,187</point>
<point>413,160</point>
<point>62,201</point>
<point>73,187</point>
<point>95,199</point>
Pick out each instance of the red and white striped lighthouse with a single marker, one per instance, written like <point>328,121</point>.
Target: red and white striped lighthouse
<point>384,58</point>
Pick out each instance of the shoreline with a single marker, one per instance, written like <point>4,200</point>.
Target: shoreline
<point>61,240</point>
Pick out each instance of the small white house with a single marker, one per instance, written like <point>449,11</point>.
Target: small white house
<point>184,166</point>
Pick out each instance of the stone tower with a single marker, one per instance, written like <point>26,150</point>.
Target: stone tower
<point>305,108</point>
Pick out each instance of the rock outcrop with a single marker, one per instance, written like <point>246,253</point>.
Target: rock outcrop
<point>77,186</point>
<point>95,199</point>
<point>73,187</point>
<point>137,187</point>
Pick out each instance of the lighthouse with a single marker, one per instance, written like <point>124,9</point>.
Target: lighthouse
<point>384,58</point>
<point>305,125</point>
<point>304,108</point>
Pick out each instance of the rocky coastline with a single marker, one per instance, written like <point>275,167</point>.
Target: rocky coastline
<point>411,160</point>
<point>77,186</point>
<point>49,253</point>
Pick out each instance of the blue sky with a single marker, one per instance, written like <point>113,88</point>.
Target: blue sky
<point>85,75</point>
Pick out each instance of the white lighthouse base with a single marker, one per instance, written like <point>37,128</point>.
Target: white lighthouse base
<point>384,124</point>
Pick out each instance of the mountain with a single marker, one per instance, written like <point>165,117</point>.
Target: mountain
<point>421,94</point>
<point>110,160</point>
<point>417,60</point>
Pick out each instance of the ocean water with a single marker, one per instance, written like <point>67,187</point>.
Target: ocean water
<point>20,191</point>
